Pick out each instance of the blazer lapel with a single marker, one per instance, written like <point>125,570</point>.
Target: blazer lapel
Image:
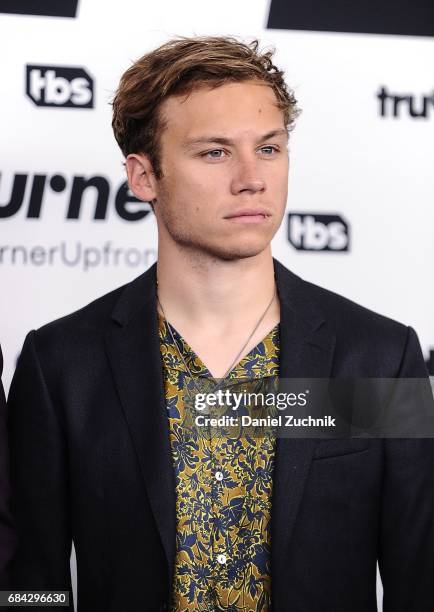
<point>306,351</point>
<point>134,354</point>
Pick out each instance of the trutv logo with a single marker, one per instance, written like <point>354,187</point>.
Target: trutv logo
<point>318,232</point>
<point>395,105</point>
<point>61,86</point>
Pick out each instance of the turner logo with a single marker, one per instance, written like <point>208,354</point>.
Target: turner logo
<point>415,18</point>
<point>65,87</point>
<point>28,193</point>
<point>49,8</point>
<point>318,232</point>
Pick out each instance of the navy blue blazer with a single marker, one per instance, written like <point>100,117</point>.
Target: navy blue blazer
<point>91,462</point>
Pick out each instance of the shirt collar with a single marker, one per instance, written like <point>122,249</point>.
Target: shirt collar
<point>261,361</point>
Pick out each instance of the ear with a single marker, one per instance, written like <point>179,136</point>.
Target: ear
<point>141,178</point>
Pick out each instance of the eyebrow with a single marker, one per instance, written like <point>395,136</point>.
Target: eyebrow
<point>228,141</point>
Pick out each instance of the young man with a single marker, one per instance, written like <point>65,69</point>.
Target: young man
<point>161,518</point>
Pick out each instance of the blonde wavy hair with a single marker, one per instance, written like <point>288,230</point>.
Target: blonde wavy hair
<point>178,67</point>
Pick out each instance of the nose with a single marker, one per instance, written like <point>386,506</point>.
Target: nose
<point>247,177</point>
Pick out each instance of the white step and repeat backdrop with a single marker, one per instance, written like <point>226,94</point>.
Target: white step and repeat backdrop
<point>360,212</point>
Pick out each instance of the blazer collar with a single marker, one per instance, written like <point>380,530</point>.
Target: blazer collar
<point>306,351</point>
<point>293,294</point>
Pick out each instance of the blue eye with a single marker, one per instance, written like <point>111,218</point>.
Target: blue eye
<point>210,154</point>
<point>213,151</point>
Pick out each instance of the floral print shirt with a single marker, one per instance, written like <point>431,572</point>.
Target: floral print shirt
<point>223,488</point>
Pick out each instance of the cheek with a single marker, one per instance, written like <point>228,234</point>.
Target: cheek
<point>279,181</point>
<point>279,172</point>
<point>193,184</point>
<point>184,200</point>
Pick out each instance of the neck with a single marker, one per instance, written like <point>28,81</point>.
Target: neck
<point>212,293</point>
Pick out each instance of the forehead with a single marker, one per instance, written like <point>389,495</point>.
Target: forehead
<point>233,108</point>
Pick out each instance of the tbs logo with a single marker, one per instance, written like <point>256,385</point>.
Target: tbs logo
<point>314,232</point>
<point>65,87</point>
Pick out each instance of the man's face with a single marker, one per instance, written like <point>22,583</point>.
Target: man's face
<point>223,154</point>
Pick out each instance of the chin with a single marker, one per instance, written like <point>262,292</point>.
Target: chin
<point>223,247</point>
<point>232,252</point>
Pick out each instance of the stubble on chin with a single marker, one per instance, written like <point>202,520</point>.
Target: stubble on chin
<point>200,243</point>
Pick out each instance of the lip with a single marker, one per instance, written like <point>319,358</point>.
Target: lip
<point>248,219</point>
<point>249,215</point>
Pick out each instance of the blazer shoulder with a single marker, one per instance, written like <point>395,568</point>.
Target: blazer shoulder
<point>90,320</point>
<point>342,315</point>
<point>374,344</point>
<point>347,316</point>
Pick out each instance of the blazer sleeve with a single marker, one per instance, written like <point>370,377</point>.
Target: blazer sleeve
<point>39,479</point>
<point>406,547</point>
<point>7,532</point>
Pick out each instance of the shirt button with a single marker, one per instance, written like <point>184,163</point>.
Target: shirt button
<point>219,475</point>
<point>221,559</point>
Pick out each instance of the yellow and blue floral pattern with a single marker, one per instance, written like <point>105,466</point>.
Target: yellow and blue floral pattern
<point>223,490</point>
